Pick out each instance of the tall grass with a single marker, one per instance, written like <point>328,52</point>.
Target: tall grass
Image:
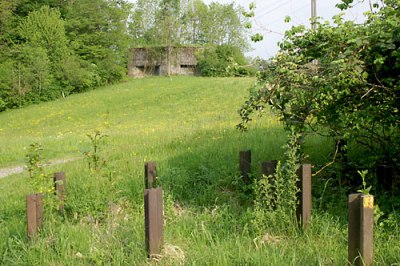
<point>187,125</point>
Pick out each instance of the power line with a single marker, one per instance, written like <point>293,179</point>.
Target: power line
<point>277,20</point>
<point>273,9</point>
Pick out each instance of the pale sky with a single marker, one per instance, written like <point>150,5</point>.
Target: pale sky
<point>270,15</point>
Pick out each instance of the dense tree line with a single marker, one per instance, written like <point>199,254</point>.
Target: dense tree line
<point>52,48</point>
<point>188,22</point>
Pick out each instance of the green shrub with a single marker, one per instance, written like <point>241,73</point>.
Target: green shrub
<point>215,60</point>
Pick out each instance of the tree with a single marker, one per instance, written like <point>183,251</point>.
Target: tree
<point>172,22</point>
<point>225,25</point>
<point>353,93</point>
<point>44,28</point>
<point>51,48</point>
<point>194,19</point>
<point>97,30</point>
<point>6,12</point>
<point>143,27</point>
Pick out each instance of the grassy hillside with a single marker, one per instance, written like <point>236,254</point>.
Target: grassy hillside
<point>139,116</point>
<point>187,125</point>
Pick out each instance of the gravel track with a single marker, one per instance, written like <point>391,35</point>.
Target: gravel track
<point>4,172</point>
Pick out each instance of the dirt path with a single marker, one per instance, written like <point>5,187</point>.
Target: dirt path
<point>4,172</point>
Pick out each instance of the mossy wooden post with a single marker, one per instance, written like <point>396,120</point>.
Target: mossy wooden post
<point>361,230</point>
<point>150,173</point>
<point>154,232</point>
<point>34,214</point>
<point>60,189</point>
<point>245,165</point>
<point>304,195</point>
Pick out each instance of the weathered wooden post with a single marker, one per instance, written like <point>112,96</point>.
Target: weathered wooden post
<point>153,210</point>
<point>154,221</point>
<point>361,230</point>
<point>304,195</point>
<point>60,189</point>
<point>245,165</point>
<point>34,213</point>
<point>269,167</point>
<point>150,174</point>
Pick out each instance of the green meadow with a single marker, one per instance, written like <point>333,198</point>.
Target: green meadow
<point>187,125</point>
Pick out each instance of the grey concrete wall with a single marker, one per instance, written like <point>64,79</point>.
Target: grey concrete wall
<point>162,61</point>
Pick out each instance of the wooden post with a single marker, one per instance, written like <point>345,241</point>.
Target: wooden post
<point>304,195</point>
<point>354,228</point>
<point>269,167</point>
<point>150,174</point>
<point>361,227</point>
<point>245,165</point>
<point>367,229</point>
<point>153,209</point>
<point>60,188</point>
<point>34,213</point>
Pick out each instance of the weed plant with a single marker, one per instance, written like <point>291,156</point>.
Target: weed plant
<point>276,195</point>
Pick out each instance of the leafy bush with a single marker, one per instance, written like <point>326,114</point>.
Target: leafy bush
<point>339,80</point>
<point>214,61</point>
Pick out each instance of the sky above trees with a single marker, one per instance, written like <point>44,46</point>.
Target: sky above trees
<point>270,16</point>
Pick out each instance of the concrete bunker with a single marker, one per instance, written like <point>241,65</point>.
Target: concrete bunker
<point>162,61</point>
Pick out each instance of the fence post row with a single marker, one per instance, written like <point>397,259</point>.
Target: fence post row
<point>245,165</point>
<point>34,214</point>
<point>153,210</point>
<point>60,189</point>
<point>304,195</point>
<point>150,173</point>
<point>361,230</point>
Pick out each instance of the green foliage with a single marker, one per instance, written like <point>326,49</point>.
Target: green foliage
<point>42,66</point>
<point>34,164</point>
<point>215,60</point>
<point>365,190</point>
<point>257,37</point>
<point>98,34</point>
<point>166,23</point>
<point>44,28</point>
<point>95,162</point>
<point>339,80</point>
<point>40,181</point>
<point>276,195</point>
<point>52,48</point>
<point>6,11</point>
